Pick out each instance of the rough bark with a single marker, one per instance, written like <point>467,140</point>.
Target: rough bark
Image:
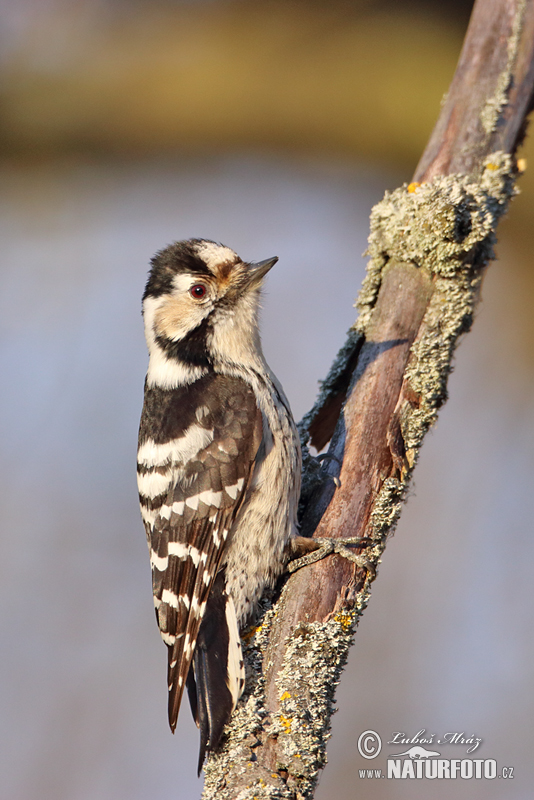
<point>429,245</point>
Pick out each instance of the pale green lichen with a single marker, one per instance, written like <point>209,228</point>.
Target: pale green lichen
<point>494,105</point>
<point>438,225</point>
<point>447,227</point>
<point>315,655</point>
<point>386,511</point>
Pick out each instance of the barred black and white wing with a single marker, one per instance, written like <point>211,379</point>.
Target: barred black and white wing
<point>197,448</point>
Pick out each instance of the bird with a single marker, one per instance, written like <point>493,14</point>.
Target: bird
<point>218,468</point>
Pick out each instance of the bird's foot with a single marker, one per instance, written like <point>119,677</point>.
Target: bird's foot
<point>305,551</point>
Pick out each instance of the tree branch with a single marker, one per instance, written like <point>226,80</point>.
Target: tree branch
<point>429,244</point>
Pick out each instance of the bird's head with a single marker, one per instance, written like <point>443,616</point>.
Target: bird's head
<point>200,308</point>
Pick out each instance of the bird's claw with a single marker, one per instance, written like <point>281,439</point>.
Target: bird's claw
<point>326,547</point>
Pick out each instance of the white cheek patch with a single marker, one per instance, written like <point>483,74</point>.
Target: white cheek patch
<point>162,371</point>
<point>177,316</point>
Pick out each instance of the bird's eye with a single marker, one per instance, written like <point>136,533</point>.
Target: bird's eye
<point>198,291</point>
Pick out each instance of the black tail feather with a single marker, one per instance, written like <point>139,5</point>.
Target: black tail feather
<point>210,698</point>
<point>192,693</point>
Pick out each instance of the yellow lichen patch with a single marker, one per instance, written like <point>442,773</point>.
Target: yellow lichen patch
<point>285,696</point>
<point>412,187</point>
<point>345,620</point>
<point>286,723</point>
<point>247,635</point>
<point>492,166</point>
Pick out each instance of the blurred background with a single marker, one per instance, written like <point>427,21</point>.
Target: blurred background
<point>272,127</point>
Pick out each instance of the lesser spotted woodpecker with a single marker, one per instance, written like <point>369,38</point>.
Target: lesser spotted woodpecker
<point>218,470</point>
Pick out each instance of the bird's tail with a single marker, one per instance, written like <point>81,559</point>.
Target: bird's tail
<point>217,676</point>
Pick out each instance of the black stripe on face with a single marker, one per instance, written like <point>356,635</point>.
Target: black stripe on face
<point>171,261</point>
<point>192,349</point>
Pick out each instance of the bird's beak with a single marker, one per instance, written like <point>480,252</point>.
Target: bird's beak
<point>259,269</point>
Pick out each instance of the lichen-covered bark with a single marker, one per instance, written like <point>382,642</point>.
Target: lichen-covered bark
<point>429,245</point>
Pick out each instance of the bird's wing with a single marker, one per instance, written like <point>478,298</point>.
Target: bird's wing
<point>190,527</point>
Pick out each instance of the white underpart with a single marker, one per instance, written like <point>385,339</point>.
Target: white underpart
<point>234,338</point>
<point>213,254</point>
<point>268,519</point>
<point>178,451</point>
<point>235,672</point>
